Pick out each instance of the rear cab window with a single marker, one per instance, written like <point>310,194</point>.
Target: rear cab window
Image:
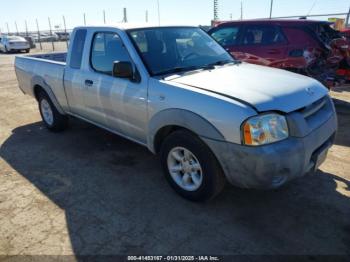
<point>78,48</point>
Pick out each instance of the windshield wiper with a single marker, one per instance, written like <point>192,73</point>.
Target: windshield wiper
<point>220,63</point>
<point>177,70</point>
<point>192,68</point>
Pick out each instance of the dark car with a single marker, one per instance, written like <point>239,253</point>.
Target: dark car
<point>31,41</point>
<point>62,36</point>
<point>309,47</point>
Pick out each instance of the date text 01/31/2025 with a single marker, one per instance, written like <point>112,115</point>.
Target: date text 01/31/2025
<point>173,258</point>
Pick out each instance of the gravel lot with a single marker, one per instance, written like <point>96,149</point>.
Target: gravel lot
<point>86,192</point>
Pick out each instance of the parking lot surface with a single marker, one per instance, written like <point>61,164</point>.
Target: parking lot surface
<point>88,192</point>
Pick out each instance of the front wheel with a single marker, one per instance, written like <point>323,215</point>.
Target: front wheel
<point>52,119</point>
<point>190,167</point>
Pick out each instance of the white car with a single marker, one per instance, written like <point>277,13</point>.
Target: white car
<point>13,43</point>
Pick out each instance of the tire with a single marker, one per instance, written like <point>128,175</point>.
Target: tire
<point>27,50</point>
<point>52,119</point>
<point>200,179</point>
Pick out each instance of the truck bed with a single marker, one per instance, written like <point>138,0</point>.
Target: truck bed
<point>57,57</point>
<point>45,70</point>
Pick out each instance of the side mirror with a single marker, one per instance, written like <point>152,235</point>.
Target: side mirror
<point>123,70</point>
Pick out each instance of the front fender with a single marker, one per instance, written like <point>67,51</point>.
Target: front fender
<point>181,118</point>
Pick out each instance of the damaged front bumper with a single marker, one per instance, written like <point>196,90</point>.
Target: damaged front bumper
<point>271,166</point>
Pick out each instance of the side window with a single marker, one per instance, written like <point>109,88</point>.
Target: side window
<point>106,49</point>
<point>226,35</point>
<point>299,36</point>
<point>141,40</point>
<point>77,49</point>
<point>262,35</point>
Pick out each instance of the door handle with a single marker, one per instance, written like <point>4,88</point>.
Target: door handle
<point>89,82</point>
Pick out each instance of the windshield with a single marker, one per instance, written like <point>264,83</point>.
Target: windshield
<point>175,49</point>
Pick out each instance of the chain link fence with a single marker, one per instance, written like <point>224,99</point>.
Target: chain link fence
<point>46,40</point>
<point>51,39</point>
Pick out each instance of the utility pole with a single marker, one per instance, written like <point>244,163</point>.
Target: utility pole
<point>65,30</point>
<point>125,16</point>
<point>26,25</point>
<point>53,45</point>
<point>50,26</point>
<point>84,19</point>
<point>16,28</point>
<point>216,10</point>
<point>104,16</point>
<point>241,10</point>
<point>8,28</point>
<point>158,12</point>
<point>37,26</point>
<point>146,16</point>
<point>271,7</point>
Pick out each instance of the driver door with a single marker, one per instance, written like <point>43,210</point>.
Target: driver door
<point>116,103</point>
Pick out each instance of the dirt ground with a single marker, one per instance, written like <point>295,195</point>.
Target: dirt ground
<point>86,192</point>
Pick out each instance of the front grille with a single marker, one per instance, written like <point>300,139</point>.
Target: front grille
<point>317,113</point>
<point>314,108</point>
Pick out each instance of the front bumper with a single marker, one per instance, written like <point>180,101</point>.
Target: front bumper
<point>273,165</point>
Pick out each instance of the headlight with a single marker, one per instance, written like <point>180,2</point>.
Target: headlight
<point>265,129</point>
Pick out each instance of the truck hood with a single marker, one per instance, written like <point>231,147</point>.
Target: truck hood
<point>264,88</point>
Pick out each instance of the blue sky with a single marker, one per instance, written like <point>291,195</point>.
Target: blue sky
<point>192,12</point>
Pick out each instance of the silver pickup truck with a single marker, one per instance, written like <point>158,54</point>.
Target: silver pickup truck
<point>176,91</point>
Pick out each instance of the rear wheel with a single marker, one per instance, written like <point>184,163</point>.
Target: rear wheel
<point>52,119</point>
<point>190,167</point>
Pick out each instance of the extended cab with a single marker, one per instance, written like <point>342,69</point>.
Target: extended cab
<point>176,91</point>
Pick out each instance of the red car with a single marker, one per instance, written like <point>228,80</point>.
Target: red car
<point>308,47</point>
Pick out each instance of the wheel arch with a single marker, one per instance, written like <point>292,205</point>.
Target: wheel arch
<point>39,85</point>
<point>170,120</point>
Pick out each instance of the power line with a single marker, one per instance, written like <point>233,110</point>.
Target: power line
<point>312,7</point>
<point>315,15</point>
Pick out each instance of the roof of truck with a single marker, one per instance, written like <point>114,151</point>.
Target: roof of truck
<point>127,26</point>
